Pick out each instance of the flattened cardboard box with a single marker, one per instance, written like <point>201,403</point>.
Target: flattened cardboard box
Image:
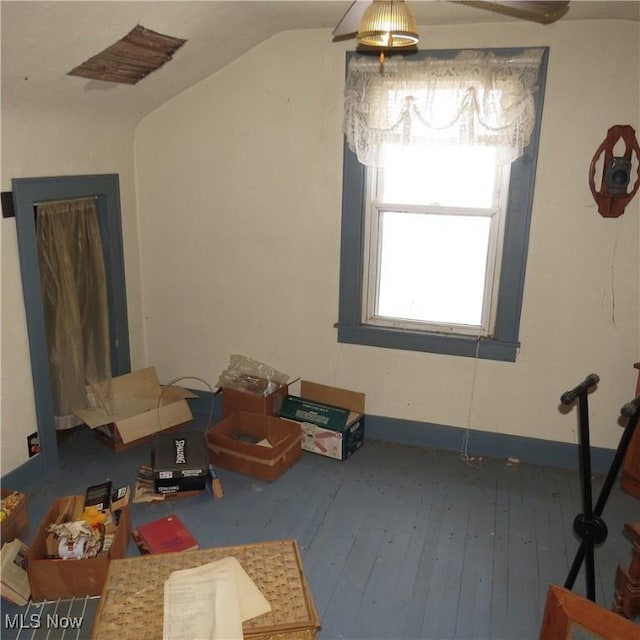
<point>332,419</point>
<point>140,406</point>
<point>51,579</point>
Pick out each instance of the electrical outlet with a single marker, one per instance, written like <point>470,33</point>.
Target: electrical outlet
<point>33,443</point>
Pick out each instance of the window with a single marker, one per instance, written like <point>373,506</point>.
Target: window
<point>433,244</point>
<point>435,233</point>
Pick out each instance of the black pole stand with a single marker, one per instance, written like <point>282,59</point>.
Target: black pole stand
<point>589,525</point>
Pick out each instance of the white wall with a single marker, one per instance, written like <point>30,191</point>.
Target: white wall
<point>238,190</point>
<point>44,143</point>
<point>239,196</point>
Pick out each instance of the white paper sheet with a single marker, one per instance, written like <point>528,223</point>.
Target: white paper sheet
<point>210,602</point>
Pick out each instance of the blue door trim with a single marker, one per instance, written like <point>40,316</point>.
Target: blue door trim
<point>27,192</point>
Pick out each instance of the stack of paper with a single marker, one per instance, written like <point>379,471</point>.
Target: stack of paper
<point>210,602</point>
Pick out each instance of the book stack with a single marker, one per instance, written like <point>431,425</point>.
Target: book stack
<point>144,488</point>
<point>165,535</point>
<point>13,570</point>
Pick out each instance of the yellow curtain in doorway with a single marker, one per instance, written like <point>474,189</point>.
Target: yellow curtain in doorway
<point>72,275</point>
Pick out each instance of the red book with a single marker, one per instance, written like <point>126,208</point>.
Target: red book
<point>165,535</point>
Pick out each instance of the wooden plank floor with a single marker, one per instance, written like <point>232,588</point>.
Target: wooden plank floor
<point>397,542</point>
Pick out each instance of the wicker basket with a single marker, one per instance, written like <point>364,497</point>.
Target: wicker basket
<point>132,600</point>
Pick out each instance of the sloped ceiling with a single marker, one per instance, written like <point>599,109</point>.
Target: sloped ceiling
<point>42,41</point>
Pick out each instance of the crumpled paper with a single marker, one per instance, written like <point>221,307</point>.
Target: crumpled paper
<point>77,539</point>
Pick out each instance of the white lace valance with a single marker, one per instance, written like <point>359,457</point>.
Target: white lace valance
<point>476,98</point>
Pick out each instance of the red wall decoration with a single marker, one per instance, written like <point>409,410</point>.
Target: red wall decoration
<point>614,194</point>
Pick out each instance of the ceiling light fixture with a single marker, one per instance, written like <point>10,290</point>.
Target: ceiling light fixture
<point>388,24</point>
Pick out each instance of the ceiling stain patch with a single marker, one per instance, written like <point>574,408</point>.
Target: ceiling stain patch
<point>131,59</point>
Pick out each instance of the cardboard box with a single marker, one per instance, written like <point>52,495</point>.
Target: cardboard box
<point>332,419</point>
<point>140,408</point>
<point>55,578</point>
<point>234,400</point>
<point>179,461</point>
<point>110,437</point>
<point>238,443</point>
<point>16,522</point>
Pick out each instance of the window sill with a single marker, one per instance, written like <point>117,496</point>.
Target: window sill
<point>454,345</point>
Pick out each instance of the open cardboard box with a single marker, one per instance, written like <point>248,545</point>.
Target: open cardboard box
<point>276,446</point>
<point>141,407</point>
<point>234,400</point>
<point>51,579</point>
<point>332,419</point>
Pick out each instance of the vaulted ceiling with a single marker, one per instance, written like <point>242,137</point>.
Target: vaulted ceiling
<point>42,41</point>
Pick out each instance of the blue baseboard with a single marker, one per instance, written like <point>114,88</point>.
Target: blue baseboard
<point>474,443</point>
<point>24,477</point>
<point>424,434</point>
<point>484,443</point>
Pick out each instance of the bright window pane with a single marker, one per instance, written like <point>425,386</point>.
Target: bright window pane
<point>439,175</point>
<point>433,267</point>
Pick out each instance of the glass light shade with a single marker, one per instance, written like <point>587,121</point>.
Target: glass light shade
<point>388,24</point>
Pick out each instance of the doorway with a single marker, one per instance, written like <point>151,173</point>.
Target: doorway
<point>27,193</point>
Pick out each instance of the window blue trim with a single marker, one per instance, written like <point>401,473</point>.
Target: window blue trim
<point>503,345</point>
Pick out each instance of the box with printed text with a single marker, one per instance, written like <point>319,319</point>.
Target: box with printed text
<point>180,461</point>
<point>332,419</point>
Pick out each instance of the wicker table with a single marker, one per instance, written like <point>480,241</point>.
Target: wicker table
<point>132,599</point>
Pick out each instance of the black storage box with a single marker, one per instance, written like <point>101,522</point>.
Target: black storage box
<point>180,461</point>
